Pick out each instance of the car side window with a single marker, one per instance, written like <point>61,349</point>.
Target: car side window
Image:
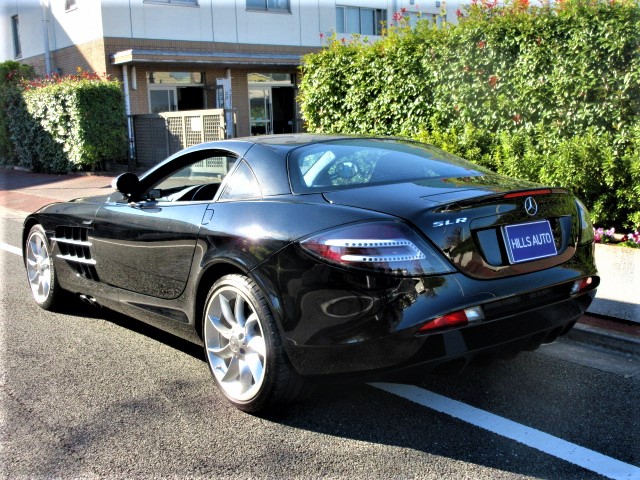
<point>242,184</point>
<point>198,181</point>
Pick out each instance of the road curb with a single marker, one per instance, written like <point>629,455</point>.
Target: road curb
<point>619,342</point>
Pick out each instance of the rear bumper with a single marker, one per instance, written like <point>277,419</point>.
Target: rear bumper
<point>345,323</point>
<point>406,355</point>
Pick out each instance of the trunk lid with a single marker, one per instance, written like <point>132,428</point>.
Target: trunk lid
<point>481,224</point>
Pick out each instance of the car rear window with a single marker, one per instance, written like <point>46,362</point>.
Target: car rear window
<point>349,163</point>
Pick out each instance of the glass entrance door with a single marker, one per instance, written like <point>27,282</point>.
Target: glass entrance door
<point>272,103</point>
<point>260,110</point>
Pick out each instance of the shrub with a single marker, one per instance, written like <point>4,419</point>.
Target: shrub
<point>60,124</point>
<point>11,74</point>
<point>550,94</point>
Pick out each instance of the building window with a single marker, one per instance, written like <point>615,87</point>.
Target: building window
<point>365,21</point>
<point>15,28</point>
<point>193,3</point>
<point>171,91</point>
<point>173,78</point>
<point>70,5</point>
<point>269,5</point>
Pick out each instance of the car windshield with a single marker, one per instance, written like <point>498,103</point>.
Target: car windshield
<point>349,163</point>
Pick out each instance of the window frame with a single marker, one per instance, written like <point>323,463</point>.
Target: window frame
<point>175,3</point>
<point>379,16</point>
<point>267,8</point>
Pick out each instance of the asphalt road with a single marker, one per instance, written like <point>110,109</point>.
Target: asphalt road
<point>91,393</point>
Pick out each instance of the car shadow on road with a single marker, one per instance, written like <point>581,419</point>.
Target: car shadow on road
<point>77,308</point>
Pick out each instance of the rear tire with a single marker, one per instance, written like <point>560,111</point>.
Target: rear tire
<point>243,347</point>
<point>41,272</point>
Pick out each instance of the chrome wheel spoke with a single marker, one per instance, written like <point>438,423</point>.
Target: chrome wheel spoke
<point>257,345</point>
<point>32,273</point>
<point>43,286</point>
<point>238,311</point>
<point>221,329</point>
<point>233,370</point>
<point>39,246</point>
<point>246,377</point>
<point>250,323</point>
<point>255,365</point>
<point>221,352</point>
<point>226,311</point>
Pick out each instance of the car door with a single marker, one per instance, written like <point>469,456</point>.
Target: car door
<point>147,246</point>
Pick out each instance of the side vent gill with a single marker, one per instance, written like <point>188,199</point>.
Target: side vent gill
<point>75,249</point>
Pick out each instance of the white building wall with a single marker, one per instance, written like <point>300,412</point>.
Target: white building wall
<point>6,38</point>
<point>75,27</point>
<point>211,20</point>
<point>30,20</point>
<point>150,20</point>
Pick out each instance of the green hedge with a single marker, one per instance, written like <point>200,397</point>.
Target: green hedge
<point>68,123</point>
<point>11,74</point>
<point>550,94</point>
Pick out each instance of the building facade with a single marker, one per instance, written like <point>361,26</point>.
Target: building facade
<point>173,55</point>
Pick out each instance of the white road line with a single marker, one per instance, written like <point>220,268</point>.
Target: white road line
<point>583,457</point>
<point>10,248</point>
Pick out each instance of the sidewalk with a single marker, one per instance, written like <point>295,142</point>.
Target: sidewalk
<point>22,192</point>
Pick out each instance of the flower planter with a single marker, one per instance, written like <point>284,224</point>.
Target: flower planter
<point>619,291</point>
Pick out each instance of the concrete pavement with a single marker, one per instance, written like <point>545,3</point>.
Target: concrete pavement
<point>22,192</point>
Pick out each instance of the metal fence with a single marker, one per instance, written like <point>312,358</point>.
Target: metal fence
<point>157,136</point>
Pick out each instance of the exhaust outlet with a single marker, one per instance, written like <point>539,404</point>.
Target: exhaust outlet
<point>89,300</point>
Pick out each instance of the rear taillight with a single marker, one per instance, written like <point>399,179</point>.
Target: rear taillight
<point>384,247</point>
<point>581,285</point>
<point>453,319</point>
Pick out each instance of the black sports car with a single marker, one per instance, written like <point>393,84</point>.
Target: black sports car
<point>296,259</point>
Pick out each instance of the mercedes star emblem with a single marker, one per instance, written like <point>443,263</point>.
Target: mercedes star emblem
<point>530,206</point>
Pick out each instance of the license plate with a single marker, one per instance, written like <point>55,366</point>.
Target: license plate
<point>529,241</point>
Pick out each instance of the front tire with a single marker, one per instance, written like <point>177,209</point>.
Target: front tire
<point>41,271</point>
<point>243,347</point>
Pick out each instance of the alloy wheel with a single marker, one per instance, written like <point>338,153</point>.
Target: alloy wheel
<point>38,266</point>
<point>235,344</point>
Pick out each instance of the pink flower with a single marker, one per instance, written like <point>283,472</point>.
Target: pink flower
<point>458,13</point>
<point>397,16</point>
<point>597,234</point>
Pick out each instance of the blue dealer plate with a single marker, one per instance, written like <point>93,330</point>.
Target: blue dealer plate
<point>529,241</point>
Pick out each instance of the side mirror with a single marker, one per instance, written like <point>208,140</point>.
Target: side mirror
<point>127,184</point>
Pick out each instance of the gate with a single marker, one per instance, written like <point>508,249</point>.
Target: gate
<point>157,136</point>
